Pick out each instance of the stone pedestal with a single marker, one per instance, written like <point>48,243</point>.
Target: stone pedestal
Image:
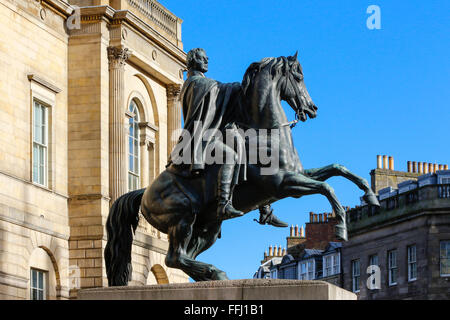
<point>254,289</point>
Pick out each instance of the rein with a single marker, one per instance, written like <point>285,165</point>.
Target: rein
<point>292,124</point>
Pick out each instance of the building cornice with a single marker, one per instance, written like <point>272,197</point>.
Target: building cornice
<point>129,18</point>
<point>60,6</point>
<point>117,17</point>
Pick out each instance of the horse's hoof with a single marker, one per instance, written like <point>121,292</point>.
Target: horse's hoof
<point>371,199</point>
<point>341,232</point>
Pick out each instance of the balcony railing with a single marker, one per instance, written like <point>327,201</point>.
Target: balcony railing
<point>444,191</point>
<point>428,192</point>
<point>156,13</point>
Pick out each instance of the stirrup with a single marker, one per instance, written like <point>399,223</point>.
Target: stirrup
<point>228,215</point>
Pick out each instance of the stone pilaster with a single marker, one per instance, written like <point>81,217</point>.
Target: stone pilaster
<point>173,115</point>
<point>117,131</point>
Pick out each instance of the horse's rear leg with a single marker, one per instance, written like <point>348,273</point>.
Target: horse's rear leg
<point>180,236</point>
<point>300,185</point>
<point>203,238</point>
<point>334,170</point>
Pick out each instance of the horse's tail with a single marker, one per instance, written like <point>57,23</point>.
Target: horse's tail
<point>121,224</point>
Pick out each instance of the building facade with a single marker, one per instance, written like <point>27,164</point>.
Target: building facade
<point>88,112</point>
<point>313,253</point>
<point>401,250</point>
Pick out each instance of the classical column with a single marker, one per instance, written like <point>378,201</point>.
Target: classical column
<point>173,116</point>
<point>117,131</point>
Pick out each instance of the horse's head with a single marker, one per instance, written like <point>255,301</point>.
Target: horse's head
<point>293,89</point>
<point>286,76</point>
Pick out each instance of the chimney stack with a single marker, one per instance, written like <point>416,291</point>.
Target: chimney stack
<point>409,166</point>
<point>391,163</point>
<point>379,162</point>
<point>385,162</point>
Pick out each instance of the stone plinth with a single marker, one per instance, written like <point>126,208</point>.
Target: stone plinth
<point>254,289</point>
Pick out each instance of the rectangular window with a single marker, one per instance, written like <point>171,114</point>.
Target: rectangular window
<point>373,260</point>
<point>445,258</point>
<point>327,271</point>
<point>412,263</point>
<point>273,274</point>
<point>336,264</point>
<point>311,270</point>
<point>40,143</point>
<point>37,285</point>
<point>331,265</point>
<point>392,267</point>
<point>356,273</point>
<point>303,271</point>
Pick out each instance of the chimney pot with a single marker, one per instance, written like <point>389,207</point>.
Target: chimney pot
<point>296,230</point>
<point>419,167</point>
<point>435,168</point>
<point>409,166</point>
<point>270,251</point>
<point>425,168</point>
<point>391,163</point>
<point>441,167</point>
<point>302,232</point>
<point>379,162</point>
<point>414,167</point>
<point>430,168</point>
<point>311,216</point>
<point>292,231</point>
<point>446,167</point>
<point>385,162</point>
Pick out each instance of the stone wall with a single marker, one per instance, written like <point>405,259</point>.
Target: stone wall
<point>59,227</point>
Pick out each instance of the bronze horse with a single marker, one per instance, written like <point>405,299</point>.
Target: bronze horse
<point>185,208</point>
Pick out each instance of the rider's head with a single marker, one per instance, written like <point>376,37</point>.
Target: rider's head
<point>197,60</point>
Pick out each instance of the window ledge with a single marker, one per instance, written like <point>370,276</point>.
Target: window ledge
<point>43,82</point>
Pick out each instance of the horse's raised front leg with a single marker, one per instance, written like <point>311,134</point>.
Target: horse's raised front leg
<point>334,170</point>
<point>297,185</point>
<point>180,236</point>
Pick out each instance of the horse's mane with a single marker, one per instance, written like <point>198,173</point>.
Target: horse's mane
<point>276,66</point>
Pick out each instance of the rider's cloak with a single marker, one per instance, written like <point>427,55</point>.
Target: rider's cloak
<point>207,104</point>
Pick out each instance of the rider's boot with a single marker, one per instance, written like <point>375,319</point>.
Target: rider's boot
<point>266,216</point>
<point>225,209</point>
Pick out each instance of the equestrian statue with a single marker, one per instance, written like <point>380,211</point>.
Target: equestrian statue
<point>197,192</point>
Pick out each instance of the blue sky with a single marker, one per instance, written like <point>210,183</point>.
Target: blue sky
<point>378,92</point>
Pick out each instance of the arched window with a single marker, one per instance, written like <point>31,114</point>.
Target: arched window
<point>133,147</point>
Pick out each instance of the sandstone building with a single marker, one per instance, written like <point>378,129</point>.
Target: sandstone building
<point>401,250</point>
<point>88,111</point>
